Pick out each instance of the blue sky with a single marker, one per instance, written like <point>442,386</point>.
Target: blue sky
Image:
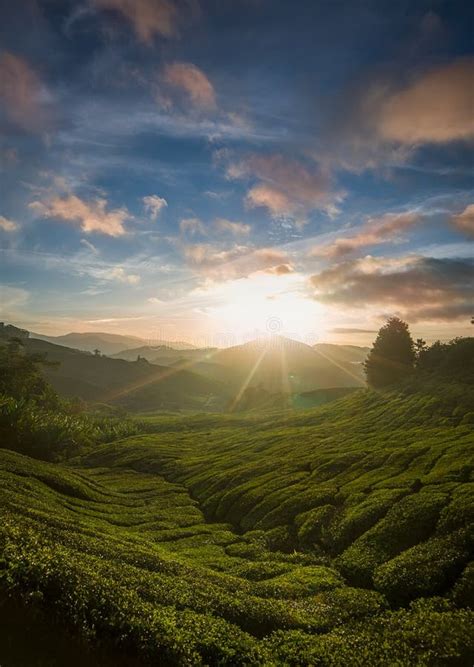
<point>210,170</point>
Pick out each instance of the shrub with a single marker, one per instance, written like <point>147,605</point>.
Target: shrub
<point>410,521</point>
<point>463,591</point>
<point>426,569</point>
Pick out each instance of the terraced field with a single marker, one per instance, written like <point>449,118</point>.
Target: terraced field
<point>336,536</point>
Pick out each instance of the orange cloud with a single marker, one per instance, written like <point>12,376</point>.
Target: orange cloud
<point>192,81</point>
<point>464,221</point>
<point>376,231</point>
<point>148,17</point>
<point>8,225</point>
<point>280,270</point>
<point>285,187</point>
<point>276,202</point>
<point>91,216</point>
<point>235,228</point>
<point>21,94</point>
<point>437,108</point>
<point>238,261</point>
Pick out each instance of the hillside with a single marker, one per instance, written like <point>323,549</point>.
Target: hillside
<point>343,354</point>
<point>283,365</point>
<point>134,385</point>
<point>215,540</point>
<point>165,354</point>
<point>278,365</point>
<point>107,343</point>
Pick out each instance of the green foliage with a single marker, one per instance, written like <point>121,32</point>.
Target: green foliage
<point>463,591</point>
<point>21,374</point>
<point>43,433</point>
<point>429,568</point>
<point>392,356</point>
<point>408,522</point>
<point>274,538</point>
<point>422,636</point>
<point>450,361</point>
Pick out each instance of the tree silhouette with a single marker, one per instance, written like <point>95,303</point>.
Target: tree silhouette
<point>392,356</point>
<point>420,347</point>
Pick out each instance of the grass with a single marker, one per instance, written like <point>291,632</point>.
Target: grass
<point>342,535</point>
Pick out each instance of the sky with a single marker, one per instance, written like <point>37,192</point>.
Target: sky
<point>215,170</point>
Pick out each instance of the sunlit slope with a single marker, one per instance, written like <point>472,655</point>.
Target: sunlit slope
<point>275,539</point>
<point>284,365</point>
<point>363,480</point>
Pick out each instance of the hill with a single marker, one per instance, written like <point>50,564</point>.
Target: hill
<point>165,355</point>
<point>134,385</point>
<point>317,537</point>
<point>105,342</point>
<point>276,364</point>
<point>282,365</point>
<point>343,354</point>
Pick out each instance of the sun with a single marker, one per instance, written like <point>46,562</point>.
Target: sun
<point>267,304</point>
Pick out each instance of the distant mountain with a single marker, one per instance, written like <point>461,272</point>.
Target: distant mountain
<point>280,364</point>
<point>105,342</point>
<point>286,366</point>
<point>135,385</point>
<point>164,353</point>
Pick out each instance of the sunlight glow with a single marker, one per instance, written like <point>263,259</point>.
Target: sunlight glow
<point>264,303</point>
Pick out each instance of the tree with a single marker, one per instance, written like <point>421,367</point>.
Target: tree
<point>21,375</point>
<point>392,356</point>
<point>96,353</point>
<point>420,347</point>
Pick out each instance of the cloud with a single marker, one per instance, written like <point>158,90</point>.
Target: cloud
<point>287,188</point>
<point>91,216</point>
<point>238,261</point>
<point>417,288</point>
<point>8,225</point>
<point>276,202</point>
<point>436,108</point>
<point>118,273</point>
<point>234,228</point>
<point>379,121</point>
<point>153,205</point>
<point>188,79</point>
<point>148,17</point>
<point>90,246</point>
<point>192,226</point>
<point>22,95</point>
<point>384,229</point>
<point>351,330</point>
<point>464,221</point>
<point>280,270</point>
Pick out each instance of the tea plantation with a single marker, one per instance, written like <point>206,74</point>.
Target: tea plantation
<point>337,536</point>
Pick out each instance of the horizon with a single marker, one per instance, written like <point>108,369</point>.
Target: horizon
<point>226,340</point>
<point>202,171</point>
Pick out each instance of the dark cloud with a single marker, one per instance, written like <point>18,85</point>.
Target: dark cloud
<point>380,120</point>
<point>418,288</point>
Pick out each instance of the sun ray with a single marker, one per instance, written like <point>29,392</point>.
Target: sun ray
<point>155,377</point>
<point>342,368</point>
<point>248,379</point>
